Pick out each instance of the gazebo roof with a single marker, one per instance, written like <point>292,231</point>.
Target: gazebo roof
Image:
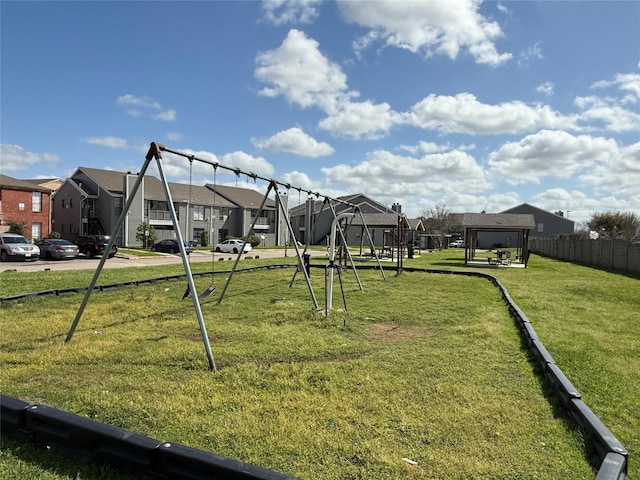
<point>498,221</point>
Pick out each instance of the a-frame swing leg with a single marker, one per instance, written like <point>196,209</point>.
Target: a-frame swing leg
<point>272,185</point>
<point>154,152</point>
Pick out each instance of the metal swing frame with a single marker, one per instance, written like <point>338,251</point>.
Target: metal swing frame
<point>154,153</point>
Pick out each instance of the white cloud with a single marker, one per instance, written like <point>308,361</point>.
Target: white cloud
<point>617,175</point>
<point>361,120</point>
<point>109,142</point>
<point>389,176</point>
<point>549,154</point>
<point>174,136</point>
<point>166,116</point>
<point>295,140</point>
<point>534,52</point>
<point>545,88</point>
<point>629,82</point>
<point>247,163</point>
<point>139,106</point>
<point>465,114</point>
<point>608,113</point>
<point>138,102</point>
<point>298,71</point>
<point>431,27</point>
<point>16,158</point>
<point>280,12</point>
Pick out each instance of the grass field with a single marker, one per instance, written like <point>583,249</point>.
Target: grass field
<point>421,366</point>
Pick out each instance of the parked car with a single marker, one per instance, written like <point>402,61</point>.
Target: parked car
<point>92,245</point>
<point>171,246</point>
<point>233,246</point>
<point>457,244</point>
<point>58,249</point>
<point>13,246</point>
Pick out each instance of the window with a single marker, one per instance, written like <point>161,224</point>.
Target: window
<point>540,227</point>
<point>36,203</point>
<point>118,204</point>
<point>36,231</point>
<point>21,206</point>
<point>198,212</point>
<point>223,213</point>
<point>197,234</point>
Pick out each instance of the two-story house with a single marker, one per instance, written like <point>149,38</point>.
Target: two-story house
<point>27,203</point>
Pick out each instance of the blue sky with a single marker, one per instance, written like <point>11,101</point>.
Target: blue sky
<point>475,105</point>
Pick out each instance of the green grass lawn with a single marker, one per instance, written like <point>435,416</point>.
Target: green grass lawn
<point>421,366</point>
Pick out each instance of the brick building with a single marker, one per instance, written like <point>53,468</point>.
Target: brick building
<point>26,203</point>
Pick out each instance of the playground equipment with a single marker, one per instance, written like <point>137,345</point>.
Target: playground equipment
<point>154,153</point>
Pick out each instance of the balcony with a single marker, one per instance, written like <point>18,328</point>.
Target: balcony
<point>160,217</point>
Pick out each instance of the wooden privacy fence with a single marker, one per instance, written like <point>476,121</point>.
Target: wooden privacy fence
<point>615,255</point>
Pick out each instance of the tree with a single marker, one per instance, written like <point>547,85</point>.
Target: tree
<point>16,227</point>
<point>614,225</point>
<point>146,234</point>
<point>437,222</point>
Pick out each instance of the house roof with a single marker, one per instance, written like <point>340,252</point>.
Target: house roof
<point>110,180</point>
<point>51,184</point>
<point>531,208</point>
<point>356,199</point>
<point>380,220</point>
<point>499,221</point>
<point>196,195</point>
<point>16,184</point>
<point>242,197</point>
<point>415,224</point>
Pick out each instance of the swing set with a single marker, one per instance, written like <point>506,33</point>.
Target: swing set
<point>154,153</point>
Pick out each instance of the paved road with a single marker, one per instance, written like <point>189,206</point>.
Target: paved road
<point>121,261</point>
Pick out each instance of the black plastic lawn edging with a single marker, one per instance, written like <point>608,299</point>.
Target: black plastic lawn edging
<point>135,283</point>
<point>88,441</point>
<point>611,454</point>
<point>93,441</point>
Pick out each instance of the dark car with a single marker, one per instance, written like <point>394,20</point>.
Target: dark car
<point>170,246</point>
<point>58,249</point>
<point>92,245</point>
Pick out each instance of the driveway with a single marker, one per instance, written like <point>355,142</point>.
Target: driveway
<point>122,261</point>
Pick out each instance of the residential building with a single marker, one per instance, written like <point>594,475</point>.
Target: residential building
<point>26,203</point>
<point>243,206</point>
<point>547,223</point>
<point>91,201</point>
<point>311,221</point>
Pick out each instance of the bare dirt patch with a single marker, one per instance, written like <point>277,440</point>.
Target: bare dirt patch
<point>390,332</point>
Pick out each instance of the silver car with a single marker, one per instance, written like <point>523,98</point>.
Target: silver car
<point>58,249</point>
<point>13,246</point>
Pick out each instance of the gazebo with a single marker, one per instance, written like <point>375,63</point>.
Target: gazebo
<point>497,230</point>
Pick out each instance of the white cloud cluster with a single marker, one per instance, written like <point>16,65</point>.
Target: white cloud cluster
<point>549,153</point>
<point>431,27</point>
<point>108,141</point>
<point>16,158</point>
<point>138,106</point>
<point>280,12</point>
<point>295,140</point>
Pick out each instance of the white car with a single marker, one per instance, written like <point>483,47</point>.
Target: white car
<point>457,244</point>
<point>14,246</point>
<point>233,246</point>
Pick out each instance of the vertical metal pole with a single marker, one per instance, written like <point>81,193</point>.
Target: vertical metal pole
<point>371,244</point>
<point>112,240</point>
<point>301,265</point>
<point>187,267</point>
<point>253,224</point>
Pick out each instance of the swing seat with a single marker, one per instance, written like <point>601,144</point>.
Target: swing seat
<point>205,294</point>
